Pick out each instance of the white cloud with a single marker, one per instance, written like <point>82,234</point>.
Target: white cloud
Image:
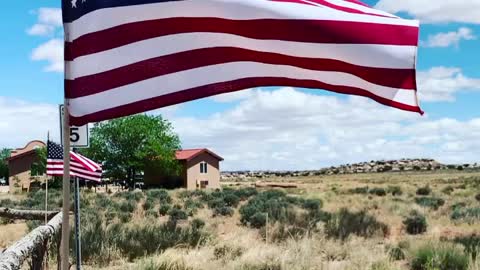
<point>52,52</point>
<point>21,122</point>
<point>430,11</point>
<point>442,83</point>
<point>49,19</point>
<point>289,129</point>
<point>450,38</point>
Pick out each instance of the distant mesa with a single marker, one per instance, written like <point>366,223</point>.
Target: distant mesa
<point>379,166</point>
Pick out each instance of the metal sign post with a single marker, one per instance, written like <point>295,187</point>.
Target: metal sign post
<point>77,225</point>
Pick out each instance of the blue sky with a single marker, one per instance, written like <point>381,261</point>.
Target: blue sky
<point>241,127</point>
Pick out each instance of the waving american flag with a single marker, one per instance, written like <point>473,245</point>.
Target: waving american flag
<point>80,166</point>
<point>129,56</point>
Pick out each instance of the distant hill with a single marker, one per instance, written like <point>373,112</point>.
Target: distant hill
<point>362,167</point>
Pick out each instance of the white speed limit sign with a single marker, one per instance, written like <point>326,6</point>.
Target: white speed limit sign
<point>78,135</point>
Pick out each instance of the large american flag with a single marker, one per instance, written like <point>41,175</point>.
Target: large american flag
<point>80,166</point>
<point>128,56</point>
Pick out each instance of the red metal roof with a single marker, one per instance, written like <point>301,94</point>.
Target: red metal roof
<point>187,154</point>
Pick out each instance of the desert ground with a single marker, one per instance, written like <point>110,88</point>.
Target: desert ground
<point>379,221</point>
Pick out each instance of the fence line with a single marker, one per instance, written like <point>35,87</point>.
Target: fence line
<point>33,245</point>
<point>26,214</point>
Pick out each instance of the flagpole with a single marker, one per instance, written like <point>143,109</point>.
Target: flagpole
<point>46,186</point>
<point>46,202</point>
<point>66,189</point>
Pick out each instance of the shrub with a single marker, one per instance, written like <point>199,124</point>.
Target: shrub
<point>415,223</point>
<point>477,197</point>
<point>151,213</point>
<point>130,196</point>
<point>458,205</point>
<point>378,191</point>
<point>164,208</point>
<point>231,200</point>
<point>431,202</point>
<point>312,204</point>
<point>7,203</point>
<point>148,204</point>
<point>469,215</point>
<point>223,211</point>
<point>258,220</point>
<point>140,240</point>
<point>396,254</point>
<point>359,190</point>
<point>159,195</point>
<point>177,214</point>
<point>128,206</point>
<point>424,191</point>
<point>448,190</point>
<point>395,190</point>
<point>191,206</point>
<point>245,193</point>
<point>226,252</point>
<point>471,244</point>
<point>441,257</point>
<point>344,223</point>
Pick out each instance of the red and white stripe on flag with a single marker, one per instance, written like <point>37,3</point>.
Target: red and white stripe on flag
<point>80,166</point>
<point>129,56</point>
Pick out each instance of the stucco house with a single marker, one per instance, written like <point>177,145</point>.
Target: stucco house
<point>200,170</point>
<point>21,166</point>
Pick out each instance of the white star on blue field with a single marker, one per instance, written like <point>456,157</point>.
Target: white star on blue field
<point>275,127</point>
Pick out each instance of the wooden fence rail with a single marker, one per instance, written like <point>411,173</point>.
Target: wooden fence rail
<point>33,245</point>
<point>26,214</point>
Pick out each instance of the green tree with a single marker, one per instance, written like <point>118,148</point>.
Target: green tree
<point>129,144</point>
<point>4,154</point>
<point>39,167</point>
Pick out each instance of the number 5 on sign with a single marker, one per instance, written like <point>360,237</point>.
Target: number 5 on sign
<point>78,135</point>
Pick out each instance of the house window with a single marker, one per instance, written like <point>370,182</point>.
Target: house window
<point>203,184</point>
<point>203,167</point>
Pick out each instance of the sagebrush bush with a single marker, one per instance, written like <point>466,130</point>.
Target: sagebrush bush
<point>159,195</point>
<point>359,190</point>
<point>345,223</point>
<point>432,202</point>
<point>191,206</point>
<point>395,190</point>
<point>415,223</point>
<point>441,257</point>
<point>448,190</point>
<point>128,206</point>
<point>164,208</point>
<point>223,211</point>
<point>378,191</point>
<point>424,191</point>
<point>295,214</point>
<point>471,244</point>
<point>396,254</point>
<point>7,203</point>
<point>469,215</point>
<point>177,214</point>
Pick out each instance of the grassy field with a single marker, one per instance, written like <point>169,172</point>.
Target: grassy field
<point>388,221</point>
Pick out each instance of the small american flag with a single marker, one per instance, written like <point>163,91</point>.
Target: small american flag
<point>80,166</point>
<point>128,56</point>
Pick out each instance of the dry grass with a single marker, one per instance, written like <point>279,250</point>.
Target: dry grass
<point>236,247</point>
<point>11,233</point>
